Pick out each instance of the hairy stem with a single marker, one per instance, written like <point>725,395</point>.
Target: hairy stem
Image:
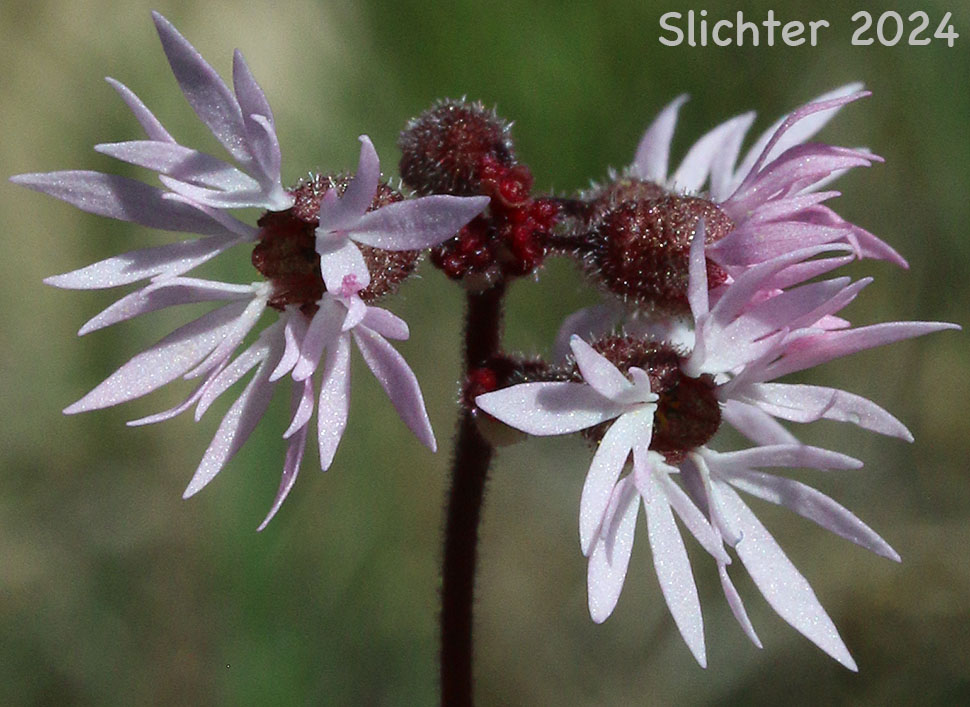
<point>469,471</point>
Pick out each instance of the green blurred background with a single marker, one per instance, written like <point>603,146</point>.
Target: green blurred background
<point>115,591</point>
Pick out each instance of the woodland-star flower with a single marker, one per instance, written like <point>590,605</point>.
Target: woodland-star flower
<point>759,328</point>
<point>319,297</point>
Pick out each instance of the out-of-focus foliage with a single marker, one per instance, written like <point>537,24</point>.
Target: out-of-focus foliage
<point>114,590</point>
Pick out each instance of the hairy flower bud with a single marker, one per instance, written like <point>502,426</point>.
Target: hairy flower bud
<point>637,242</point>
<point>446,149</point>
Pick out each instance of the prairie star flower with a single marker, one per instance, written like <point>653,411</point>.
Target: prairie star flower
<point>759,327</point>
<point>633,234</point>
<point>318,305</point>
<point>345,221</point>
<point>608,508</point>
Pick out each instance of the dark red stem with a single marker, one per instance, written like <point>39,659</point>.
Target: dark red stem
<point>469,472</point>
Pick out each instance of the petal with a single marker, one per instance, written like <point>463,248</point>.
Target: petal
<point>347,211</point>
<point>164,362</point>
<point>291,465</point>
<point>388,325</point>
<point>783,586</point>
<point>303,409</point>
<point>588,323</point>
<point>805,403</point>
<point>554,408</point>
<point>598,372</point>
<point>208,95</point>
<point>697,294</point>
<point>244,324</point>
<point>814,505</point>
<point>398,381</point>
<point>121,198</point>
<point>722,166</point>
<point>416,224</point>
<point>696,166</point>
<point>736,605</point>
<point>321,334</point>
<point>181,163</point>
<point>165,293</point>
<point>233,372</point>
<point>653,152</point>
<point>755,424</point>
<point>673,568</point>
<point>340,258</point>
<point>149,123</point>
<point>784,455</point>
<point>818,349</point>
<point>234,429</point>
<point>608,463</point>
<point>293,334</point>
<point>692,518</point>
<point>610,558</point>
<point>170,260</point>
<point>218,199</point>
<point>334,400</point>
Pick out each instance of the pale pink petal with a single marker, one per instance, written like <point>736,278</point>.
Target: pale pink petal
<point>755,424</point>
<point>784,455</point>
<point>801,272</point>
<point>610,557</point>
<point>293,334</point>
<point>398,381</point>
<point>124,269</point>
<point>737,606</point>
<point>234,430</point>
<point>340,257</point>
<point>673,567</point>
<point>815,350</point>
<point>302,408</point>
<point>598,372</point>
<point>347,211</point>
<point>149,123</point>
<point>697,164</point>
<point>178,409</point>
<point>165,293</point>
<point>179,162</point>
<point>218,199</point>
<point>814,505</point>
<point>788,207</point>
<point>553,408</point>
<point>697,295</point>
<point>416,224</point>
<point>388,325</point>
<point>722,167</point>
<point>608,463</point>
<point>230,374</point>
<point>244,324</point>
<point>806,403</point>
<point>756,244</point>
<point>692,518</point>
<point>783,586</point>
<point>120,198</point>
<point>291,466</point>
<point>322,333</point>
<point>205,91</point>
<point>257,118</point>
<point>588,324</point>
<point>164,362</point>
<point>334,400</point>
<point>653,152</point>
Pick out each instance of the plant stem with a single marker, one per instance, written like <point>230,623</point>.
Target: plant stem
<point>473,454</point>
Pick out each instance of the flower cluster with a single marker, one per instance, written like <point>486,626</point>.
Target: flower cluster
<point>713,295</point>
<point>327,249</point>
<point>713,284</point>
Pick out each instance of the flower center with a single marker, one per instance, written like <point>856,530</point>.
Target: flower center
<point>639,242</point>
<point>688,413</point>
<point>286,252</point>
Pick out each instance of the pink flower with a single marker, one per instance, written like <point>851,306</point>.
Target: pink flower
<point>754,332</point>
<point>200,190</point>
<point>406,225</point>
<point>773,194</point>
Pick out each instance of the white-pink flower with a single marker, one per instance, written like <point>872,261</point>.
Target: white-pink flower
<point>773,194</point>
<point>414,224</point>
